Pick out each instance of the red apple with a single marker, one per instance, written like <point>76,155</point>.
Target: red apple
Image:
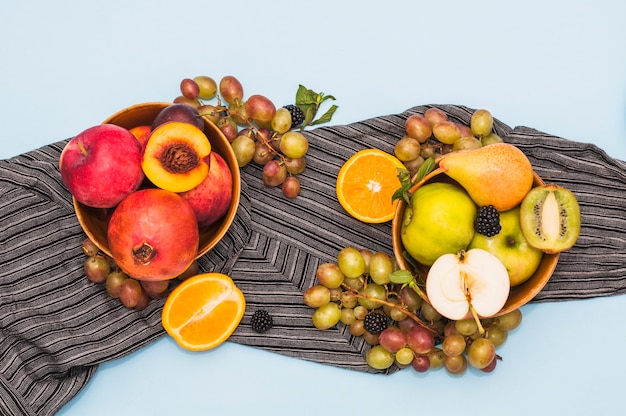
<point>102,165</point>
<point>210,200</point>
<point>153,234</point>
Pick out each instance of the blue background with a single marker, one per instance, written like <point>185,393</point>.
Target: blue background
<point>557,66</point>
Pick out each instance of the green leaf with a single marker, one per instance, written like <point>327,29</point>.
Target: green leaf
<point>401,277</point>
<point>425,169</point>
<point>305,96</point>
<point>327,116</point>
<point>405,184</point>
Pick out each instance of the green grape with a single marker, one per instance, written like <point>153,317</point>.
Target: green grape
<point>294,145</point>
<point>316,296</point>
<point>379,358</point>
<point>351,262</point>
<point>335,294</point>
<point>244,149</point>
<point>380,267</point>
<point>446,132</point>
<point>404,356</point>
<point>355,283</point>
<point>370,339</point>
<point>295,166</point>
<point>481,123</point>
<point>329,275</point>
<point>360,312</point>
<point>367,257</point>
<point>491,139</point>
<point>481,353</point>
<point>373,292</point>
<point>407,148</point>
<point>510,321</point>
<point>453,345</point>
<point>348,300</point>
<point>455,365</point>
<point>356,328</point>
<point>326,316</point>
<point>466,327</point>
<point>209,111</point>
<point>436,357</point>
<point>281,122</point>
<point>347,316</point>
<point>207,87</point>
<point>496,335</point>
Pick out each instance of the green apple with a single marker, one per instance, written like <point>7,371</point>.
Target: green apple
<point>510,246</point>
<point>439,220</point>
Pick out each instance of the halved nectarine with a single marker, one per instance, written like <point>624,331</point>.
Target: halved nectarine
<point>176,156</point>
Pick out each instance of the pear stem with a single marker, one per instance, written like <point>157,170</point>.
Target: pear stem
<point>481,329</point>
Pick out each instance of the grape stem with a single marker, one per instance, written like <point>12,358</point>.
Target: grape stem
<point>405,311</point>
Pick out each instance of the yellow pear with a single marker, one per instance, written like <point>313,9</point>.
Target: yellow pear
<point>498,174</point>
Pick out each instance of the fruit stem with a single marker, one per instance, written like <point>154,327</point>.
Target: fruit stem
<point>481,329</point>
<point>83,151</point>
<point>405,311</point>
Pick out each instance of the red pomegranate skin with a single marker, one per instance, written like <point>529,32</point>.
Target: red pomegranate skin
<point>153,234</point>
<point>101,165</point>
<point>211,199</point>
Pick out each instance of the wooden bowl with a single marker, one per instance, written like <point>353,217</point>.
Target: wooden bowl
<point>519,295</point>
<point>94,220</point>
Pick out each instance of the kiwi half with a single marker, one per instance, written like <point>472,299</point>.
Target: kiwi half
<point>550,218</point>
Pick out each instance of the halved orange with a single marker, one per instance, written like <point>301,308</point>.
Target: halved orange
<point>365,184</point>
<point>203,311</point>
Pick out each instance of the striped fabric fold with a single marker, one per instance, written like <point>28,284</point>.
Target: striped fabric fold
<point>56,327</point>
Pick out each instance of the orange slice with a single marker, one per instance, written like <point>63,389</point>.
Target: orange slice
<point>366,183</point>
<point>203,311</point>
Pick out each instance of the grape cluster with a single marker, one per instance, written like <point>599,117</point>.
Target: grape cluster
<point>133,293</point>
<point>358,291</point>
<point>257,130</point>
<point>432,134</point>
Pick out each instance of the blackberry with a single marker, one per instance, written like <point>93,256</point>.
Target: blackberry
<point>297,116</point>
<point>375,322</point>
<point>487,221</point>
<point>261,321</point>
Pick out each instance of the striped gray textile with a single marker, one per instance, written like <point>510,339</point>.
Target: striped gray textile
<point>56,327</point>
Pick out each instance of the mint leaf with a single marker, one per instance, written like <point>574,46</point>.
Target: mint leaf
<point>326,117</point>
<point>309,102</point>
<point>425,169</point>
<point>401,277</point>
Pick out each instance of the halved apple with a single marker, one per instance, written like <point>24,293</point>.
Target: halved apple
<point>176,156</point>
<point>470,283</point>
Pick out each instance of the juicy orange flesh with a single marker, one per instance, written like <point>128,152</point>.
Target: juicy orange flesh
<point>203,311</point>
<point>367,184</point>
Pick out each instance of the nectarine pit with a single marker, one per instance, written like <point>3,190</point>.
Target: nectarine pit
<point>179,157</point>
